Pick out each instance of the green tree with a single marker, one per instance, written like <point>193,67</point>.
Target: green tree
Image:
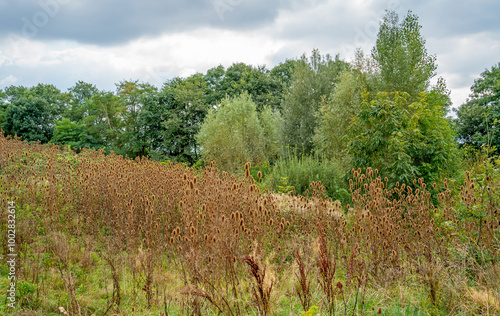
<point>30,118</point>
<point>312,81</point>
<point>335,115</point>
<point>3,106</point>
<point>80,95</point>
<point>283,72</point>
<point>232,135</point>
<point>13,93</point>
<point>103,120</point>
<point>171,118</point>
<point>74,134</point>
<point>402,57</point>
<point>265,89</point>
<point>213,79</point>
<point>57,101</point>
<point>131,98</point>
<point>404,140</point>
<point>478,121</point>
<point>272,128</point>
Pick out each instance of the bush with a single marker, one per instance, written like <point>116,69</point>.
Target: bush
<point>301,171</point>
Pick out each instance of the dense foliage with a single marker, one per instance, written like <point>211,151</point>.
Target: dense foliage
<point>478,122</point>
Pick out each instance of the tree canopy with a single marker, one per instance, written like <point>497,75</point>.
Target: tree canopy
<point>232,134</point>
<point>478,122</point>
<point>402,58</point>
<point>312,81</point>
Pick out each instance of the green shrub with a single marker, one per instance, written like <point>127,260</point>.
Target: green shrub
<point>300,171</point>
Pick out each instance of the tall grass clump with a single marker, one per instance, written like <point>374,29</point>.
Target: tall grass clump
<point>301,170</point>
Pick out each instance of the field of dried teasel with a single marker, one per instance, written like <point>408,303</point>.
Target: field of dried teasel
<point>104,235</point>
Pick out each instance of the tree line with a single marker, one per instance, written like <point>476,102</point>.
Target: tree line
<point>380,110</point>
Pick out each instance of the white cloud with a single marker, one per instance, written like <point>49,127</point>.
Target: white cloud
<point>9,80</point>
<point>157,58</point>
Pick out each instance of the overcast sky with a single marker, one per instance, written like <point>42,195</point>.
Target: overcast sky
<point>105,41</point>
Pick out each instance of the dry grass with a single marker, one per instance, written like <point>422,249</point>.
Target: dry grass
<point>176,240</point>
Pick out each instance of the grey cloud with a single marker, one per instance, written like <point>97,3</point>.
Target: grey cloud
<point>449,17</point>
<point>113,22</point>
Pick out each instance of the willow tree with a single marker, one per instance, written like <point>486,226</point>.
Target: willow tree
<point>233,134</point>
